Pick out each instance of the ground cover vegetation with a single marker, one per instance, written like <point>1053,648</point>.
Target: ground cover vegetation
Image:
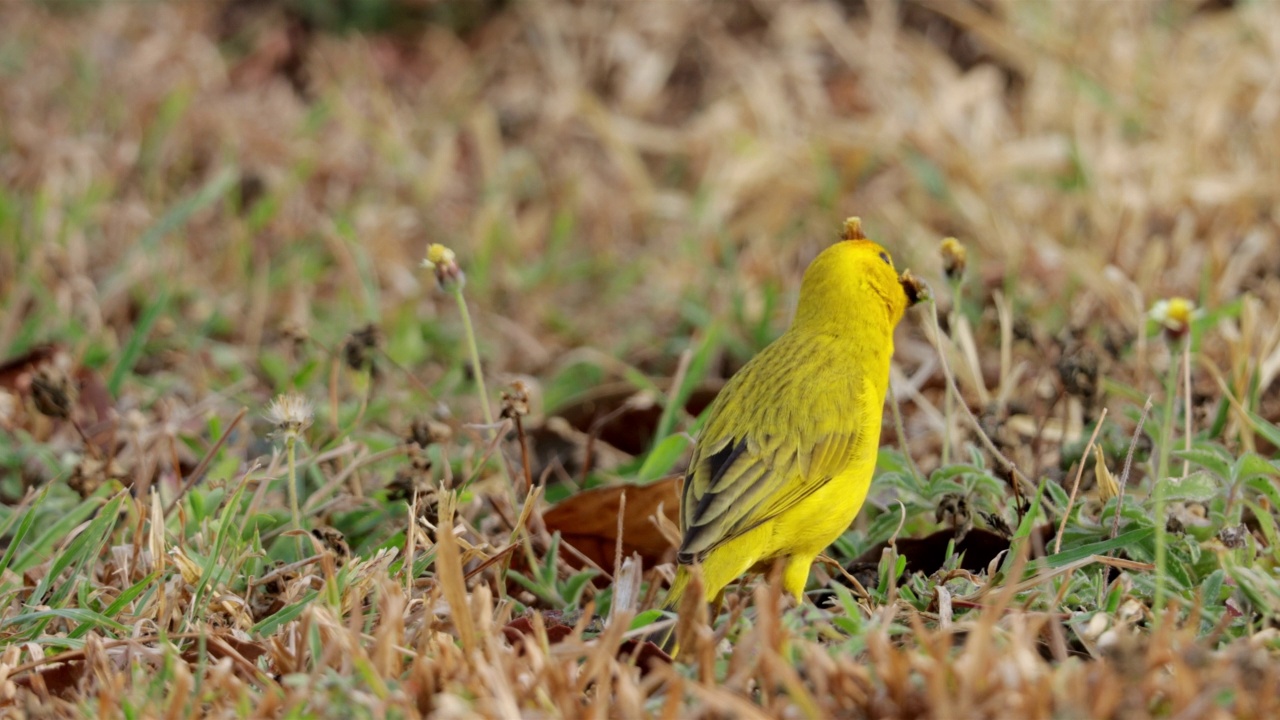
<point>257,458</point>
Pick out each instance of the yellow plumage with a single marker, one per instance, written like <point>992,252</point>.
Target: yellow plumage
<point>785,460</point>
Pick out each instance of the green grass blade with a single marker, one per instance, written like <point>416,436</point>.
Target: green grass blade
<point>24,527</point>
<point>1122,540</point>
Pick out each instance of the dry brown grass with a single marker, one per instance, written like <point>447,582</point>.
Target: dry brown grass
<point>614,177</point>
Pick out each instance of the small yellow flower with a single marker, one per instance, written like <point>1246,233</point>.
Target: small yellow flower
<point>1174,315</point>
<point>954,258</point>
<point>438,254</point>
<point>445,262</point>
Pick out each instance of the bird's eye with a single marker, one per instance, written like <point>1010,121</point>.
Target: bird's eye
<point>885,258</point>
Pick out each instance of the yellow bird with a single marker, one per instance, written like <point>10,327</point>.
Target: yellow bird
<point>785,460</point>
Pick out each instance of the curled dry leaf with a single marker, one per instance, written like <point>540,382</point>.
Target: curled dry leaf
<point>589,521</point>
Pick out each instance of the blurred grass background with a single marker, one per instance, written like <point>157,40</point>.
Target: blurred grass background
<point>659,167</point>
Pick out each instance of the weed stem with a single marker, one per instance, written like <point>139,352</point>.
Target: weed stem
<point>474,351</point>
<point>1161,481</point>
<point>291,452</point>
<point>469,330</point>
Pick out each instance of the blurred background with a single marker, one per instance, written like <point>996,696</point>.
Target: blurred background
<point>211,198</point>
<point>206,204</point>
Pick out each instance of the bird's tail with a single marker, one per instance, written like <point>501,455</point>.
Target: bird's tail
<point>678,586</point>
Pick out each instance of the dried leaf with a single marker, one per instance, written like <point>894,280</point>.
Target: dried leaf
<point>589,521</point>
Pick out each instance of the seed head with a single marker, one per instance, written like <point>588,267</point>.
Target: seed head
<point>915,288</point>
<point>425,432</point>
<point>515,402</point>
<point>954,258</point>
<point>290,414</point>
<point>853,229</point>
<point>445,263</point>
<point>53,392</point>
<point>360,349</point>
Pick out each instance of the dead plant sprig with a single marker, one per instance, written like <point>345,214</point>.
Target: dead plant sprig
<point>900,428</point>
<point>1075,487</point>
<point>449,572</point>
<point>451,279</point>
<point>204,462</point>
<point>1008,464</point>
<point>1159,489</point>
<point>1128,463</point>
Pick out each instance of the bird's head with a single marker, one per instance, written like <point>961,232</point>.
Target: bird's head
<point>854,280</point>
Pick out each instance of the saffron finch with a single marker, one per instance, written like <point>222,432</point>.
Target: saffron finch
<point>785,460</point>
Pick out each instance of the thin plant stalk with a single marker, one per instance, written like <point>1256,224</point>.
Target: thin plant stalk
<point>948,401</point>
<point>1161,481</point>
<point>291,414</point>
<point>900,428</point>
<point>1186,396</point>
<point>474,350</point>
<point>291,452</point>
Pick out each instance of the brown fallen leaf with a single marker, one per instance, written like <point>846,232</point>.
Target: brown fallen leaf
<point>647,654</point>
<point>589,521</point>
<point>57,679</point>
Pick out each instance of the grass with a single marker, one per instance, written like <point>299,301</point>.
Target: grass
<point>632,196</point>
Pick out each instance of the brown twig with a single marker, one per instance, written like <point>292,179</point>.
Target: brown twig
<point>204,462</point>
<point>525,461</point>
<point>1075,487</point>
<point>1008,464</point>
<point>1128,462</point>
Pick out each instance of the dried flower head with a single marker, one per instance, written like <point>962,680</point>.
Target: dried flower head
<point>334,541</point>
<point>915,288</point>
<point>445,263</point>
<point>92,473</point>
<point>515,402</point>
<point>53,392</point>
<point>853,229</point>
<point>1174,315</point>
<point>425,431</point>
<point>954,258</point>
<point>1233,536</point>
<point>360,349</point>
<point>290,414</point>
<point>953,510</point>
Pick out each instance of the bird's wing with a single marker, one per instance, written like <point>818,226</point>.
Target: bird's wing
<point>737,482</point>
